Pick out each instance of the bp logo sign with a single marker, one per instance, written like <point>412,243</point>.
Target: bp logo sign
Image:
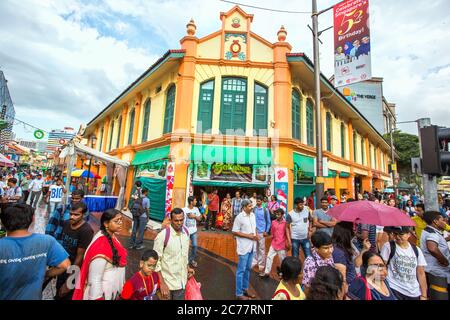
<point>39,134</point>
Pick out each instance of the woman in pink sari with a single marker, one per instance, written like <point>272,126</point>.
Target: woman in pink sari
<point>102,274</point>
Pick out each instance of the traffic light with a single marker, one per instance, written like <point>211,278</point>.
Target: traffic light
<point>435,150</point>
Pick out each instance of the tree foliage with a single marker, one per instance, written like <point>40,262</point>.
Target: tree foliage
<point>406,146</point>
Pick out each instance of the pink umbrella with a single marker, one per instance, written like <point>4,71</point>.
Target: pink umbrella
<point>369,212</point>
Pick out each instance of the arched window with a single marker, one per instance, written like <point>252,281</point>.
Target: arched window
<point>260,111</point>
<point>309,122</point>
<point>296,115</point>
<point>119,123</point>
<point>328,130</point>
<point>233,109</point>
<point>354,145</point>
<point>342,140</point>
<point>205,107</point>
<point>146,120</point>
<point>170,109</point>
<point>111,135</point>
<point>100,139</point>
<point>130,133</point>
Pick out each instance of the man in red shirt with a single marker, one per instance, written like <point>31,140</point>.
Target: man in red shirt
<point>213,208</point>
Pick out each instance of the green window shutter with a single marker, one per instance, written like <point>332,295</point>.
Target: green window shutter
<point>363,154</point>
<point>170,108</point>
<point>310,122</point>
<point>120,129</point>
<point>260,111</point>
<point>233,110</point>
<point>328,131</point>
<point>342,140</point>
<point>111,136</point>
<point>130,133</point>
<point>146,121</point>
<point>296,123</point>
<point>205,107</point>
<point>354,146</point>
<point>101,140</point>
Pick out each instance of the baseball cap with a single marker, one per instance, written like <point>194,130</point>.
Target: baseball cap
<point>334,197</point>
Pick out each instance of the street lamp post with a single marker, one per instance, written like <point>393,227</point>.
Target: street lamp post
<point>320,181</point>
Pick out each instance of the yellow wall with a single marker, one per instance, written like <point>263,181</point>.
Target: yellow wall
<point>207,72</point>
<point>229,22</point>
<point>260,52</point>
<point>338,167</point>
<point>210,49</point>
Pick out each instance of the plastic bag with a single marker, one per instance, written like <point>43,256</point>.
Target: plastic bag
<point>192,291</point>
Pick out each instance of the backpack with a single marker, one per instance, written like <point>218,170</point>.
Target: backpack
<point>137,209</point>
<point>393,247</point>
<point>167,235</point>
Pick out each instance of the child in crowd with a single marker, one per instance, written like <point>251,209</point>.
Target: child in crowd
<point>145,283</point>
<point>280,242</point>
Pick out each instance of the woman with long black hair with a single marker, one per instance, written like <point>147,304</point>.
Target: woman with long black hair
<point>102,274</point>
<point>328,284</point>
<point>347,259</point>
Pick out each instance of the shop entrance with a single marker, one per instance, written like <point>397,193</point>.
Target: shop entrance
<point>358,186</point>
<point>222,191</point>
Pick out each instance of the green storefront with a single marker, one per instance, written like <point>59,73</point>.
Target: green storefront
<point>151,170</point>
<point>304,177</point>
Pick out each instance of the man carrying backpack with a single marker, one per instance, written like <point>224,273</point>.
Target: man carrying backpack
<point>263,224</point>
<point>140,211</point>
<point>406,266</point>
<point>172,246</point>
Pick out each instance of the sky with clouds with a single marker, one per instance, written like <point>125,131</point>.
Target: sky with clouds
<point>67,60</point>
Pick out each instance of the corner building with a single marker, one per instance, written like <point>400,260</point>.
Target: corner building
<point>229,110</point>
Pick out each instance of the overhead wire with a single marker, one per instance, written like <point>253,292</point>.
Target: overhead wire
<point>267,9</point>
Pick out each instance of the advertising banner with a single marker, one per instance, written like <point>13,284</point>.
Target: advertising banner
<point>281,187</point>
<point>256,174</point>
<point>352,42</point>
<point>169,187</point>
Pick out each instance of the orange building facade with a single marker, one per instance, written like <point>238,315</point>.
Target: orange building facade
<point>228,111</point>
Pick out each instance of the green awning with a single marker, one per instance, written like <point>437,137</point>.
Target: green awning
<point>151,155</point>
<point>331,173</point>
<point>231,154</point>
<point>233,184</point>
<point>344,174</point>
<point>304,164</point>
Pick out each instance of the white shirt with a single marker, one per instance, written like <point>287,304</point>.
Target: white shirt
<point>402,270</point>
<point>299,223</point>
<point>191,224</point>
<point>56,193</point>
<point>245,223</point>
<point>36,185</point>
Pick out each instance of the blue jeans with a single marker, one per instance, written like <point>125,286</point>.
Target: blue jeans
<point>139,225</point>
<point>193,253</point>
<point>304,243</point>
<point>243,273</point>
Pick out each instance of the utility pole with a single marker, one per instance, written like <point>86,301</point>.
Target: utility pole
<point>394,172</point>
<point>320,181</point>
<point>429,181</point>
<point>319,156</point>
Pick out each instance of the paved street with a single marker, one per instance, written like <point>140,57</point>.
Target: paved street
<point>215,273</point>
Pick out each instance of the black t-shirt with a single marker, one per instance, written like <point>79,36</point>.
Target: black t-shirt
<point>74,239</point>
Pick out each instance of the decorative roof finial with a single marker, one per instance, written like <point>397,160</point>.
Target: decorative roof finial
<point>191,28</point>
<point>282,34</point>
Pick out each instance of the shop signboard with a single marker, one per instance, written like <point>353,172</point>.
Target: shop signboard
<point>352,58</point>
<point>154,170</point>
<point>256,174</point>
<point>281,187</point>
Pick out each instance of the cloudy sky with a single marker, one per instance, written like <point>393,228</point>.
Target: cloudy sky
<point>66,60</point>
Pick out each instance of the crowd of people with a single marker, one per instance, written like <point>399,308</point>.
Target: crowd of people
<point>319,258</point>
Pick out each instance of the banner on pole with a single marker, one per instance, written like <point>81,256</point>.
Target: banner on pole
<point>352,59</point>
<point>281,187</point>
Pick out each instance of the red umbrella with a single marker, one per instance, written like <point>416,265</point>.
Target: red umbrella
<point>369,212</point>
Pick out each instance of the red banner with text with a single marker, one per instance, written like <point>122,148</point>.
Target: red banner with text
<point>352,60</point>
